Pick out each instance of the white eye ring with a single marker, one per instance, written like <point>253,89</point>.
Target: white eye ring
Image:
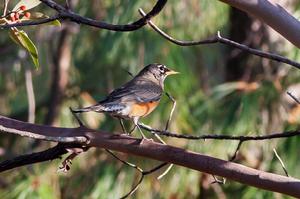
<point>161,68</point>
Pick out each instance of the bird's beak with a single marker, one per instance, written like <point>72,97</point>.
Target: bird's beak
<point>171,72</point>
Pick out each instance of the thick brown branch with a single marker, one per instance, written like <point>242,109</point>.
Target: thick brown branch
<point>49,154</point>
<point>161,152</point>
<point>66,14</point>
<point>272,14</point>
<point>219,39</point>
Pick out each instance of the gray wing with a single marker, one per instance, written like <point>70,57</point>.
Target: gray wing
<point>133,93</point>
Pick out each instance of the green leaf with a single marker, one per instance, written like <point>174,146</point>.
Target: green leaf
<point>28,3</point>
<point>21,38</point>
<point>30,47</point>
<point>14,37</point>
<point>39,15</point>
<point>54,23</point>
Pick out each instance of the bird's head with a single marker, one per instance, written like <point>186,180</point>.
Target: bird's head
<point>157,71</point>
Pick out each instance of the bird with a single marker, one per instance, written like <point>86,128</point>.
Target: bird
<point>135,99</point>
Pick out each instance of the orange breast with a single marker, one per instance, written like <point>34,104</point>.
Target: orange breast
<point>142,109</point>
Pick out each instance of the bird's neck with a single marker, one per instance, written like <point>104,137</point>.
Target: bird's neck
<point>151,79</point>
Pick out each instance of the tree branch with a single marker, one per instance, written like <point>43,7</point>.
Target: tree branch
<point>272,14</point>
<point>49,154</point>
<point>157,151</point>
<point>219,39</point>
<point>140,170</point>
<point>220,136</point>
<point>31,23</point>
<point>66,14</point>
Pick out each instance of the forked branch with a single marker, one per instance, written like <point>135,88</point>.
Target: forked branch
<point>157,151</point>
<point>66,14</point>
<point>219,39</point>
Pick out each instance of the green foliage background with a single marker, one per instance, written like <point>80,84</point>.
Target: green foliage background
<point>206,103</point>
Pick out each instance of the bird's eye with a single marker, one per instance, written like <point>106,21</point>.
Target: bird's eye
<point>161,68</point>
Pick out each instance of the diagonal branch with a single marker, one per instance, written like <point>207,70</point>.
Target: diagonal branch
<point>219,39</point>
<point>293,97</point>
<point>31,22</point>
<point>46,155</point>
<point>273,15</point>
<point>161,152</point>
<point>66,14</point>
<point>140,170</point>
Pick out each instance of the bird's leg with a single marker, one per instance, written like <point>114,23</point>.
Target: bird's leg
<point>136,121</point>
<point>76,117</point>
<point>123,127</point>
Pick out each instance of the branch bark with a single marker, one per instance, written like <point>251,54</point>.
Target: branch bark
<point>219,39</point>
<point>149,149</point>
<point>273,15</point>
<point>66,14</point>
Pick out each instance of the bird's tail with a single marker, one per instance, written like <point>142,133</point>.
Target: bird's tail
<point>95,108</point>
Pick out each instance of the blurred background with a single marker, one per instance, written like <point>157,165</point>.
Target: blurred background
<point>219,90</point>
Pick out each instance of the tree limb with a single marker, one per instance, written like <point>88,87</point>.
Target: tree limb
<point>49,154</point>
<point>212,136</point>
<point>66,14</point>
<point>219,39</point>
<point>272,14</point>
<point>157,151</point>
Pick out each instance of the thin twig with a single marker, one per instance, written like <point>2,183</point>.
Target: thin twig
<point>293,97</point>
<point>166,128</point>
<point>281,162</point>
<point>220,136</point>
<point>66,14</point>
<point>172,110</point>
<point>76,117</point>
<point>134,188</point>
<point>219,39</point>
<point>165,172</point>
<point>31,22</point>
<point>141,171</point>
<point>236,151</point>
<point>216,180</point>
<point>125,162</point>
<point>129,73</point>
<point>66,164</point>
<point>122,125</point>
<point>5,7</point>
<point>30,95</point>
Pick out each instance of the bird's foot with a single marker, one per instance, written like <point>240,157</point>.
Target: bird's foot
<point>146,140</point>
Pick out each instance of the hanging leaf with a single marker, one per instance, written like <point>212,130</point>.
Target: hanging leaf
<point>30,47</point>
<point>21,38</point>
<point>15,38</point>
<point>27,3</point>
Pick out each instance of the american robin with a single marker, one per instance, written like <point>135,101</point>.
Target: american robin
<point>136,98</point>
